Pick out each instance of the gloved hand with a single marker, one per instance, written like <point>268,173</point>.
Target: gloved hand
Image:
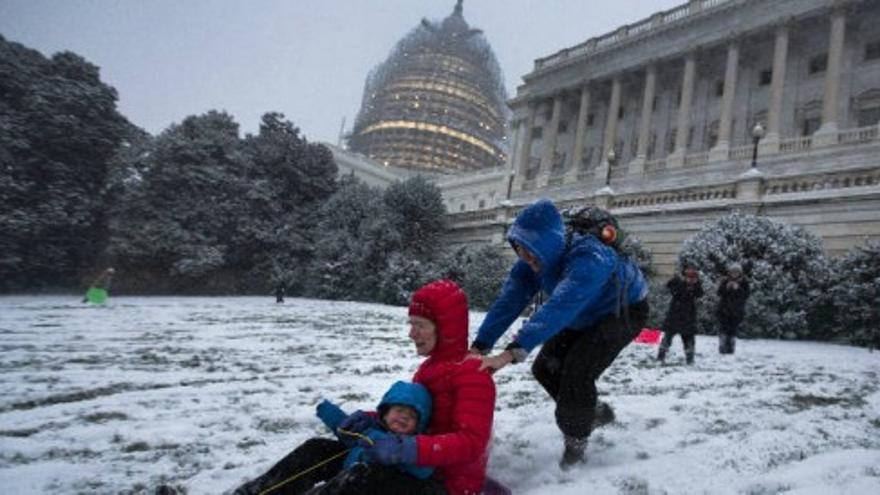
<point>392,449</point>
<point>358,422</point>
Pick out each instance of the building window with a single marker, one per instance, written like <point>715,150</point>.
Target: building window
<point>810,125</point>
<point>654,104</point>
<point>872,50</point>
<point>558,163</point>
<point>868,108</point>
<point>587,158</point>
<point>869,116</point>
<point>461,207</point>
<point>590,119</point>
<point>817,64</point>
<point>482,203</point>
<point>620,112</point>
<point>719,88</point>
<point>765,77</point>
<point>670,140</point>
<point>537,132</point>
<point>712,135</point>
<point>563,127</point>
<point>652,145</point>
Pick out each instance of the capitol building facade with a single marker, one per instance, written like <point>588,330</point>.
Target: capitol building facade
<point>770,107</point>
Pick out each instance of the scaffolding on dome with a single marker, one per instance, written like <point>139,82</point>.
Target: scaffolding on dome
<point>437,104</point>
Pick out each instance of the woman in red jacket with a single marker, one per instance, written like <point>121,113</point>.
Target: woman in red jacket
<point>457,440</point>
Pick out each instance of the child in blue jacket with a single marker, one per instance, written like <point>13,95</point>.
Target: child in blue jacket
<point>405,409</point>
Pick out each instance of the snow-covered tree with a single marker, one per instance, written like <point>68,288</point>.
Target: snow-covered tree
<point>784,264</point>
<point>479,270</point>
<point>853,294</point>
<point>59,128</point>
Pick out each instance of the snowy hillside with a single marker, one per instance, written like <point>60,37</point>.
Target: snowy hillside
<point>204,393</point>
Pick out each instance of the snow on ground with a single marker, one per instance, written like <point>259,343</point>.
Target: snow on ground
<point>204,393</point>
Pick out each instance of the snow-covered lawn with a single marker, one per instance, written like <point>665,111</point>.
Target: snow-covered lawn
<point>205,392</point>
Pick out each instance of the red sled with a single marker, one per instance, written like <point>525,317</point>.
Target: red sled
<point>648,336</point>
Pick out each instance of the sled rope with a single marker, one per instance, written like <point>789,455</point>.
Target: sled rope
<point>316,466</point>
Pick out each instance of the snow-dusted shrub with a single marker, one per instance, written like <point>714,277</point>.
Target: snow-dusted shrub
<point>479,270</point>
<point>853,294</point>
<point>784,264</point>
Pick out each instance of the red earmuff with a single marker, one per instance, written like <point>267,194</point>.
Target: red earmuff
<point>608,234</point>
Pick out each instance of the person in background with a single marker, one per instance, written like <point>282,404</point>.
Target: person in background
<point>595,304</point>
<point>681,317</point>
<point>102,282</point>
<point>733,291</point>
<point>279,293</point>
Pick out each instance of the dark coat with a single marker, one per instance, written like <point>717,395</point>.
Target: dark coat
<point>682,314</point>
<point>732,301</point>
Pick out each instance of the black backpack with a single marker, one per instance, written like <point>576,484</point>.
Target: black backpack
<point>592,220</point>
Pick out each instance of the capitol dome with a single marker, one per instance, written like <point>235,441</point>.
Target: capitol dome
<point>437,104</point>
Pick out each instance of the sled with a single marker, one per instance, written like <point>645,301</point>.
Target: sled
<point>648,336</point>
<point>494,487</point>
<point>96,295</point>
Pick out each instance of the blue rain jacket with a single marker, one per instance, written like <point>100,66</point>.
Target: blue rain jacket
<point>584,281</point>
<point>403,393</point>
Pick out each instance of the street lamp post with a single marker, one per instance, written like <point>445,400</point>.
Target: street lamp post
<point>757,134</point>
<point>612,159</point>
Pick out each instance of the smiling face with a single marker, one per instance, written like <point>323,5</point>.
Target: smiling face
<point>423,333</point>
<point>401,419</point>
<point>530,259</point>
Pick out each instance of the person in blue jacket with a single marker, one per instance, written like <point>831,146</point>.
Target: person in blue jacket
<point>595,303</point>
<point>404,410</point>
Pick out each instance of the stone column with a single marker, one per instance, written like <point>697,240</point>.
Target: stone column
<point>550,137</point>
<point>577,147</point>
<point>676,159</point>
<point>610,129</point>
<point>827,133</point>
<point>525,150</point>
<point>517,128</point>
<point>721,149</point>
<point>637,166</point>
<point>770,143</point>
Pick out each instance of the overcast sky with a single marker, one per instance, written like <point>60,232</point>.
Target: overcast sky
<point>305,58</point>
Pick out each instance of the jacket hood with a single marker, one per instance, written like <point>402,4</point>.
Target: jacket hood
<point>444,303</point>
<point>409,394</point>
<point>539,229</point>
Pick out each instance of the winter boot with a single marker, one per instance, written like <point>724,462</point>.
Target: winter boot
<point>661,355</point>
<point>574,452</point>
<point>689,355</point>
<point>603,415</point>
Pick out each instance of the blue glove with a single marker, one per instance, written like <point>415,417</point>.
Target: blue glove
<point>392,450</point>
<point>330,414</point>
<point>358,422</point>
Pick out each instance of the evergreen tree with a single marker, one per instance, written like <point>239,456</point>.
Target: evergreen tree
<point>479,270</point>
<point>59,129</point>
<point>853,294</point>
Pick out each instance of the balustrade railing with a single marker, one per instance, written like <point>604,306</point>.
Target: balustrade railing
<point>628,32</point>
<point>795,145</point>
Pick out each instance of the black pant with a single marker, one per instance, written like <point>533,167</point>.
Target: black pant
<point>727,335</point>
<point>313,462</point>
<point>570,363</point>
<point>687,340</point>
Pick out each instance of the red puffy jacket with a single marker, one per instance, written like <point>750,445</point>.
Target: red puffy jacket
<point>457,443</point>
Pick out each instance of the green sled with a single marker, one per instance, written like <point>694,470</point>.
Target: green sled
<point>96,295</point>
